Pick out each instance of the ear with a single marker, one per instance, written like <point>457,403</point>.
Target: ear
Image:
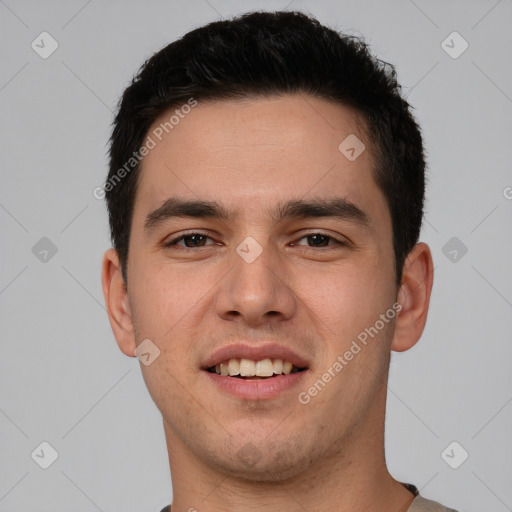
<point>414,297</point>
<point>116,299</point>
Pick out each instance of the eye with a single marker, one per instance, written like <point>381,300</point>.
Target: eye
<point>319,240</point>
<point>190,240</point>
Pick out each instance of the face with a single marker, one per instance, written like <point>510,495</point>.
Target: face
<point>288,256</point>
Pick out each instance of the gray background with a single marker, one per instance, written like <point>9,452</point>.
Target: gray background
<point>63,379</point>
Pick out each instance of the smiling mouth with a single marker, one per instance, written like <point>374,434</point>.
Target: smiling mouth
<point>248,369</point>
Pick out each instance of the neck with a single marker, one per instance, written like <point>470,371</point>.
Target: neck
<point>353,476</point>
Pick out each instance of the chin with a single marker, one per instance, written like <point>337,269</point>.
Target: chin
<point>265,463</point>
<point>264,472</point>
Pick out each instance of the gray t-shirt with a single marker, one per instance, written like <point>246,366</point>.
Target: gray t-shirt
<point>418,505</point>
<point>421,504</point>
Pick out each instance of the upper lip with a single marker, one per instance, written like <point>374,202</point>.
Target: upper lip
<point>255,353</point>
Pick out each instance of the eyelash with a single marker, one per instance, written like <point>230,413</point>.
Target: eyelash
<point>181,237</point>
<point>174,241</point>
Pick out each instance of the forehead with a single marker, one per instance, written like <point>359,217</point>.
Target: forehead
<point>253,151</point>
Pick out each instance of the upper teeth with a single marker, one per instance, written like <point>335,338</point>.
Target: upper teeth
<point>248,368</point>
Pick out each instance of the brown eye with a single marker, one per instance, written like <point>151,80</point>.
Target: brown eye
<point>190,240</point>
<point>319,240</point>
<point>194,240</point>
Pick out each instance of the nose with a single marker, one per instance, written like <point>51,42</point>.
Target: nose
<point>256,291</point>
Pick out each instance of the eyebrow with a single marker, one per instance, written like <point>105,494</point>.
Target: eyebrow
<point>337,207</point>
<point>177,207</point>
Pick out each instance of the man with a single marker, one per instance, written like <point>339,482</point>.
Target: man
<point>265,197</point>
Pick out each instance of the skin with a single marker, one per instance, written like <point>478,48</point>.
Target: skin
<point>249,156</point>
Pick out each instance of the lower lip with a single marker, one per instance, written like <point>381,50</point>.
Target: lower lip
<point>263,389</point>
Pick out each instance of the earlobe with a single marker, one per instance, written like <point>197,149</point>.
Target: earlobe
<point>413,297</point>
<point>116,300</point>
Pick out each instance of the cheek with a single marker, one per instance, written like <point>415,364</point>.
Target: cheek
<point>346,300</point>
<point>164,294</point>
<point>165,302</point>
